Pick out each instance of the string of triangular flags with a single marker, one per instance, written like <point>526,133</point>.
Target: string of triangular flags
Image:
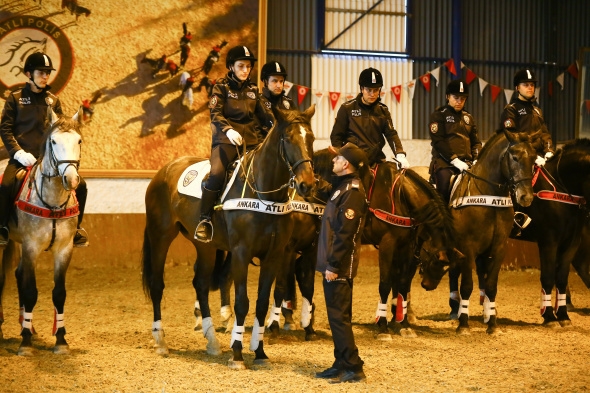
<point>426,80</point>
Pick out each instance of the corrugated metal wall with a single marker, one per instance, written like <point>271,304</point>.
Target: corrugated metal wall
<point>383,29</point>
<point>340,74</point>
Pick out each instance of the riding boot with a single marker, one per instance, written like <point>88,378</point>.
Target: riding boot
<point>204,231</point>
<point>521,221</point>
<point>81,236</point>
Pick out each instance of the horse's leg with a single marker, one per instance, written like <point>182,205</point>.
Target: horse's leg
<point>492,271</point>
<point>305,274</point>
<point>547,250</point>
<point>27,290</point>
<point>224,292</point>
<point>465,290</point>
<point>61,262</point>
<point>285,274</point>
<point>561,282</point>
<point>385,283</point>
<point>241,257</point>
<point>480,268</point>
<point>454,298</point>
<point>289,294</point>
<point>204,266</point>
<point>5,265</point>
<point>407,271</point>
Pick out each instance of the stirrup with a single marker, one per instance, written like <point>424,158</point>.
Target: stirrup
<point>204,231</point>
<point>81,238</point>
<point>4,236</point>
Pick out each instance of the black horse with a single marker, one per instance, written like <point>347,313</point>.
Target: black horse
<point>559,212</point>
<point>264,176</point>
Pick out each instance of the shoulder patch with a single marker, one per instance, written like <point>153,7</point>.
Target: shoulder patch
<point>251,95</point>
<point>213,102</point>
<point>286,104</point>
<point>466,119</point>
<point>355,183</point>
<point>508,123</point>
<point>336,193</point>
<point>349,213</point>
<point>434,128</point>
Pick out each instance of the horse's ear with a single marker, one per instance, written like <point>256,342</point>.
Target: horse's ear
<point>78,116</point>
<point>51,116</point>
<point>309,112</point>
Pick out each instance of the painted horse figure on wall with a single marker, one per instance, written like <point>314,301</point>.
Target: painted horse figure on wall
<point>559,212</point>
<point>261,185</point>
<point>45,219</point>
<point>482,209</point>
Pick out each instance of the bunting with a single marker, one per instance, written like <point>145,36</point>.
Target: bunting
<point>470,76</point>
<point>573,69</point>
<point>560,79</point>
<point>301,93</point>
<point>397,92</point>
<point>411,86</point>
<point>287,87</point>
<point>450,64</point>
<point>425,79</point>
<point>319,95</point>
<point>436,74</point>
<point>588,106</point>
<point>482,86</point>
<point>334,97</point>
<point>508,94</point>
<point>495,91</point>
<point>550,88</point>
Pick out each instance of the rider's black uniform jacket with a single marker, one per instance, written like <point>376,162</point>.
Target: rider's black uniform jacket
<point>236,104</point>
<point>526,116</point>
<point>367,126</point>
<point>342,226</point>
<point>281,101</point>
<point>453,135</point>
<point>24,119</point>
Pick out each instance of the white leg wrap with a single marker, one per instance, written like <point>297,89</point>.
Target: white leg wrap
<point>489,309</point>
<point>306,315</point>
<point>257,335</point>
<point>237,333</point>
<point>560,301</point>
<point>208,326</point>
<point>545,301</point>
<point>158,334</point>
<point>226,313</point>
<point>197,305</point>
<point>381,311</point>
<point>213,346</point>
<point>275,315</point>
<point>287,304</point>
<point>27,320</point>
<point>58,321</point>
<point>463,307</point>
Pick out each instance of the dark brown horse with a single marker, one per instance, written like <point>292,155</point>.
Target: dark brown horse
<point>559,212</point>
<point>483,214</point>
<point>264,177</point>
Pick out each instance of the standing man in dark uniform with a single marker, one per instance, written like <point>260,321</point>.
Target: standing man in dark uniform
<point>22,129</point>
<point>237,117</point>
<point>455,146</point>
<point>523,114</point>
<point>366,122</point>
<point>338,258</point>
<point>273,75</point>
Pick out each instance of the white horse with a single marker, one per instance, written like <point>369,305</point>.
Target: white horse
<point>46,220</point>
<point>187,92</point>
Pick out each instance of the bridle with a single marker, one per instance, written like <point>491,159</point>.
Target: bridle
<point>56,162</point>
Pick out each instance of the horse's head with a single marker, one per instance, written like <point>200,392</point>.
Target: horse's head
<point>62,149</point>
<point>434,264</point>
<point>297,146</point>
<point>518,163</point>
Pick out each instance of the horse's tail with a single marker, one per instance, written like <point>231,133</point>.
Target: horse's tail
<point>146,264</point>
<point>221,271</point>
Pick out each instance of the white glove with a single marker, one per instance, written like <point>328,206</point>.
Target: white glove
<point>540,161</point>
<point>460,165</point>
<point>548,155</point>
<point>403,161</point>
<point>234,137</point>
<point>27,159</point>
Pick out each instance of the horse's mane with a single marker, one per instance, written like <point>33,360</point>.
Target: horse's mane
<point>579,142</point>
<point>64,124</point>
<point>322,163</point>
<point>434,214</point>
<point>490,142</point>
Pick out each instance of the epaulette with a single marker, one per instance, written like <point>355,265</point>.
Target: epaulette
<point>441,108</point>
<point>349,102</point>
<point>355,183</point>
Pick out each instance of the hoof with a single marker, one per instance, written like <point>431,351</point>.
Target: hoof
<point>26,351</point>
<point>551,325</point>
<point>312,337</point>
<point>493,331</point>
<point>161,350</point>
<point>384,337</point>
<point>213,350</point>
<point>463,331</point>
<point>61,349</point>
<point>570,307</point>
<point>261,362</point>
<point>408,333</point>
<point>565,323</point>
<point>289,326</point>
<point>411,318</point>
<point>236,365</point>
<point>453,316</point>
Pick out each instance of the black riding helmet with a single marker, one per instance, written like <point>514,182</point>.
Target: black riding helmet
<point>272,68</point>
<point>525,75</point>
<point>458,88</point>
<point>371,77</point>
<point>38,61</point>
<point>239,53</point>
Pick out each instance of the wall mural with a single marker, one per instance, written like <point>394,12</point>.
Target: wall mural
<point>141,70</point>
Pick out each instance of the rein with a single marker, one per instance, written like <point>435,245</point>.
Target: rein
<point>390,218</point>
<point>563,197</point>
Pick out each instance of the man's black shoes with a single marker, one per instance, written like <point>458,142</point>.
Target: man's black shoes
<point>329,373</point>
<point>350,376</point>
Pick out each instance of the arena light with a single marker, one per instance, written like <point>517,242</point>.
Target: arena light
<point>366,53</point>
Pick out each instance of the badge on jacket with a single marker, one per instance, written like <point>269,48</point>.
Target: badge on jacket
<point>434,128</point>
<point>251,95</point>
<point>286,104</point>
<point>213,102</point>
<point>267,104</point>
<point>508,123</point>
<point>466,119</point>
<point>349,213</point>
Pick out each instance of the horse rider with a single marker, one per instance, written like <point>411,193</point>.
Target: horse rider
<point>237,116</point>
<point>273,75</point>
<point>455,146</point>
<point>338,257</point>
<point>366,122</point>
<point>523,114</point>
<point>22,129</point>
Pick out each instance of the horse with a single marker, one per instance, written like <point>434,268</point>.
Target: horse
<point>482,209</point>
<point>265,174</point>
<point>559,212</point>
<point>45,220</point>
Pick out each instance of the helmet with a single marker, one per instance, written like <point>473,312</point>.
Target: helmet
<point>272,68</point>
<point>525,75</point>
<point>239,53</point>
<point>458,88</point>
<point>38,61</point>
<point>371,77</point>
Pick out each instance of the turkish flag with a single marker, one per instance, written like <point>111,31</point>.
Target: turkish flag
<point>301,93</point>
<point>334,97</point>
<point>470,76</point>
<point>397,92</point>
<point>495,91</point>
<point>451,66</point>
<point>425,79</point>
<point>573,69</point>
